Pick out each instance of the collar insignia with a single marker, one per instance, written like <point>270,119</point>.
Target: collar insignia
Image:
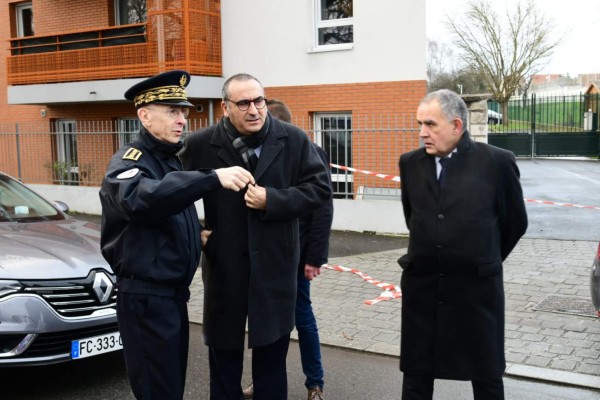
<point>132,154</point>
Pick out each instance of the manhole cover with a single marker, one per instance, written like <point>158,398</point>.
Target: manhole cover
<point>566,305</point>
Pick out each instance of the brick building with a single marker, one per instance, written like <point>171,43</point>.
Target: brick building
<point>67,64</point>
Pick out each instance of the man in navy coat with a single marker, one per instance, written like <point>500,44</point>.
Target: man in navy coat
<point>464,207</point>
<point>151,235</point>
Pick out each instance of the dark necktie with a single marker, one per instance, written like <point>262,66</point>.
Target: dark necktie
<point>444,164</point>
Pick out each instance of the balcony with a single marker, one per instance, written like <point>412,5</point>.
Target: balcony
<point>174,38</point>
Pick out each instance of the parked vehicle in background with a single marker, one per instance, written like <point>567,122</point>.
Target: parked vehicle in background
<point>494,117</point>
<point>57,293</point>
<point>595,281</point>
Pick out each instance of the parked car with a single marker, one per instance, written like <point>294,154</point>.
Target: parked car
<point>494,117</point>
<point>57,293</point>
<point>595,281</point>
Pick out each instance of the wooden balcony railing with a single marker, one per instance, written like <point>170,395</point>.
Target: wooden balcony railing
<point>174,38</point>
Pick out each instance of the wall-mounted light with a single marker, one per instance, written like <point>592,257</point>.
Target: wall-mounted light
<point>43,113</point>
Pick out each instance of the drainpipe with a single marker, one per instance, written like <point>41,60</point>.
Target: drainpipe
<point>211,112</point>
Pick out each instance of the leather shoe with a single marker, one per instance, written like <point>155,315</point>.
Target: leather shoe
<point>248,392</point>
<point>315,393</point>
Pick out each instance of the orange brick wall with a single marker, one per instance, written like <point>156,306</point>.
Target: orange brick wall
<point>367,102</point>
<point>11,114</point>
<point>51,16</point>
<point>360,98</point>
<point>96,139</point>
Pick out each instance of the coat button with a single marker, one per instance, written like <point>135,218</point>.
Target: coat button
<point>440,216</point>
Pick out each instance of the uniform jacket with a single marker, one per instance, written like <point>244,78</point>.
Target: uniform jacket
<point>452,289</point>
<point>150,228</point>
<point>252,255</point>
<point>315,228</point>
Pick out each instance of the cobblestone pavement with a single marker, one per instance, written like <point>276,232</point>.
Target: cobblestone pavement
<point>551,332</point>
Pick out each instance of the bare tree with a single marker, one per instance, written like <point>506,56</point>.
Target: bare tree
<point>136,11</point>
<point>445,72</point>
<point>440,60</point>
<point>503,56</point>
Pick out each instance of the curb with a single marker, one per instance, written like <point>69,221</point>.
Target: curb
<point>512,370</point>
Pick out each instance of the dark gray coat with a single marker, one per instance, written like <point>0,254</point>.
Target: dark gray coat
<point>452,289</point>
<point>252,256</point>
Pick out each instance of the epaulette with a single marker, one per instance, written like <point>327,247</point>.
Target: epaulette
<point>132,154</point>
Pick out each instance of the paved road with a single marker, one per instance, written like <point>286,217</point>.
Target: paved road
<point>350,375</point>
<point>562,181</point>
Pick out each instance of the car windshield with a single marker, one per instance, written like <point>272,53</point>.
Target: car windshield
<point>20,204</point>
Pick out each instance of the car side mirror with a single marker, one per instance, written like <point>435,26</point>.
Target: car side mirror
<point>62,206</point>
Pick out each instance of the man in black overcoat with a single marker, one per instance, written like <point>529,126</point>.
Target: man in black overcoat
<point>462,226</point>
<point>252,253</point>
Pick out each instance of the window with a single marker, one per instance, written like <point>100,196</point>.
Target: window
<point>24,13</point>
<point>334,24</point>
<point>128,130</point>
<point>130,11</point>
<point>65,169</point>
<point>333,132</point>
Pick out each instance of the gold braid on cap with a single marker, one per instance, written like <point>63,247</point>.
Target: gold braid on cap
<point>161,93</point>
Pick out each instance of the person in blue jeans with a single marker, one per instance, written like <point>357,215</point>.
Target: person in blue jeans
<point>315,229</point>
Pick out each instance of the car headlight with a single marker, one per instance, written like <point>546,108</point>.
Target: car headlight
<point>9,287</point>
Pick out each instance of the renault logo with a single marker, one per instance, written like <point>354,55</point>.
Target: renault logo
<point>102,286</point>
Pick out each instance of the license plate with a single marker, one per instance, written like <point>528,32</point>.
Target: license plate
<point>96,345</point>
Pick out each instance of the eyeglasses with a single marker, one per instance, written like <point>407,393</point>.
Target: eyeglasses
<point>173,112</point>
<point>244,105</point>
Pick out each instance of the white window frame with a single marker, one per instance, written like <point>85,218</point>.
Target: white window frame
<point>66,148</point>
<point>19,9</point>
<point>320,24</point>
<point>337,175</point>
<point>66,141</point>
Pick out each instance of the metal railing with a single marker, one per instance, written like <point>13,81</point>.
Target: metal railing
<point>365,155</point>
<point>559,113</point>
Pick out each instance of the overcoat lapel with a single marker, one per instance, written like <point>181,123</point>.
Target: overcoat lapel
<point>226,152</point>
<point>272,146</point>
<point>427,165</point>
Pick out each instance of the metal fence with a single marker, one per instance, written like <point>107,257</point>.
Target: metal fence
<point>548,113</point>
<point>363,150</point>
<point>548,126</point>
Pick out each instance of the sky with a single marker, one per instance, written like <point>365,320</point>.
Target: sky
<point>579,20</point>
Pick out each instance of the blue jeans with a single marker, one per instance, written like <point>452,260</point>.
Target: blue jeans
<point>308,335</point>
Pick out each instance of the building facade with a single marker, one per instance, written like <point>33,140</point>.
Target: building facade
<point>336,63</point>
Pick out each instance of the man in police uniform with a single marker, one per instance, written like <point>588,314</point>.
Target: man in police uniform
<point>151,235</point>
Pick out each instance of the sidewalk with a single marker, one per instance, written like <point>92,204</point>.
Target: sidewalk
<point>551,331</point>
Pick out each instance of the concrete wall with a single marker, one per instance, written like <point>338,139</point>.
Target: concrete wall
<point>274,40</point>
<point>379,216</point>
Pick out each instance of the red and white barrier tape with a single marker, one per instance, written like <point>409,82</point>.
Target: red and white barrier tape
<point>397,179</point>
<point>390,291</point>
<point>382,176</point>
<point>560,204</point>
